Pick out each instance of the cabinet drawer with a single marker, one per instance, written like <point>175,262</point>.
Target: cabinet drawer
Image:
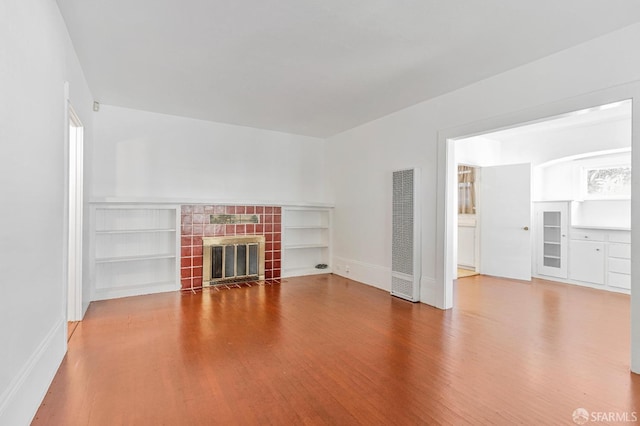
<point>622,251</point>
<point>619,280</point>
<point>620,237</point>
<point>622,266</point>
<point>588,235</point>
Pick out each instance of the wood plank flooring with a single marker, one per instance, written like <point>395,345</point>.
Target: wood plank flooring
<point>327,350</point>
<point>466,273</point>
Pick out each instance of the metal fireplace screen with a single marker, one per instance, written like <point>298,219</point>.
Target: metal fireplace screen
<point>232,259</point>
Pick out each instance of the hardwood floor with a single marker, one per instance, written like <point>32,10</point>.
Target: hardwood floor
<point>462,273</point>
<point>71,327</point>
<point>327,350</point>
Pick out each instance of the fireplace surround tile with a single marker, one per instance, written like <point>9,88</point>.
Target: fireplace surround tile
<point>195,225</point>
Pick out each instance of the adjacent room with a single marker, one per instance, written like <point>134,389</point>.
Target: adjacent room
<point>568,199</point>
<point>248,213</point>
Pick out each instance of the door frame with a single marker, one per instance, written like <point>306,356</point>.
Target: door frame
<point>446,220</point>
<point>74,206</point>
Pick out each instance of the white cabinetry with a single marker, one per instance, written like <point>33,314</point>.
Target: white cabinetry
<point>134,250</point>
<point>467,242</point>
<point>551,232</point>
<point>619,260</point>
<point>587,261</point>
<point>306,241</point>
<point>591,256</point>
<point>600,258</point>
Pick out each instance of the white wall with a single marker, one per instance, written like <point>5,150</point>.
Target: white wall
<point>36,58</point>
<point>540,147</point>
<point>479,151</point>
<point>564,180</point>
<point>361,160</point>
<point>540,144</point>
<point>148,155</point>
<point>604,213</point>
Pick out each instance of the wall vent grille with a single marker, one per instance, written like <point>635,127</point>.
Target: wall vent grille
<point>405,250</point>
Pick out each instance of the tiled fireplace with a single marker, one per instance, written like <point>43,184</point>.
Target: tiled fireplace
<point>196,225</point>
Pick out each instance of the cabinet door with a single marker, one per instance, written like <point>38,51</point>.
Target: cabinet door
<point>552,239</point>
<point>586,261</point>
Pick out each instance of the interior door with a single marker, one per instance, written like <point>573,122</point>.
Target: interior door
<point>505,213</point>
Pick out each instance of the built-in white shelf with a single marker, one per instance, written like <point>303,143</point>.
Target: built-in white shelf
<point>298,272</point>
<point>134,231</point>
<point>306,227</point>
<point>135,249</point>
<point>306,241</point>
<point>135,258</point>
<point>305,246</point>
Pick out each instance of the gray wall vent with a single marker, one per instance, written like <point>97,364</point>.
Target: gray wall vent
<point>405,251</point>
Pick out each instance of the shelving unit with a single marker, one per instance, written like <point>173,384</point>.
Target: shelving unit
<point>134,250</point>
<point>306,241</point>
<point>552,251</point>
<point>591,256</point>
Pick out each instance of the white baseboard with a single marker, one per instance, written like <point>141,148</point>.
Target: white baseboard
<point>366,273</point>
<point>380,277</point>
<point>21,400</point>
<point>430,293</point>
<point>115,293</point>
<point>582,284</point>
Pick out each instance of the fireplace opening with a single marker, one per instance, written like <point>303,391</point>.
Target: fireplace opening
<point>232,259</point>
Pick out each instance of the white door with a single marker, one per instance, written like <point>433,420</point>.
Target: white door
<point>505,214</point>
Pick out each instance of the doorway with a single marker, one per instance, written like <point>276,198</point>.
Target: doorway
<point>442,293</point>
<point>75,209</point>
<point>533,165</point>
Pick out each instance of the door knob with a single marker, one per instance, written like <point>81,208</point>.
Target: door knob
<point>526,228</point>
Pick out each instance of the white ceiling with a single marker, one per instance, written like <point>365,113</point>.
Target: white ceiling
<point>315,67</point>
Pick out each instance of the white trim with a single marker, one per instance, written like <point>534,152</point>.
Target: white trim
<point>22,397</point>
<point>138,290</point>
<point>429,291</point>
<point>446,162</point>
<point>366,273</point>
<point>602,287</point>
<point>189,201</point>
<point>75,211</point>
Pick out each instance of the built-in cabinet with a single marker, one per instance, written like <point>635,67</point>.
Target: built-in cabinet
<point>467,242</point>
<point>306,241</point>
<point>552,224</point>
<point>605,260</point>
<point>134,250</point>
<point>587,261</point>
<point>593,256</point>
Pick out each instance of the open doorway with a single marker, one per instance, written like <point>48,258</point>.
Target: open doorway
<point>75,219</point>
<point>526,172</point>
<point>441,293</point>
<point>468,250</point>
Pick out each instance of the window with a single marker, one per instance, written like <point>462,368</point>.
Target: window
<point>608,182</point>
<point>466,190</point>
